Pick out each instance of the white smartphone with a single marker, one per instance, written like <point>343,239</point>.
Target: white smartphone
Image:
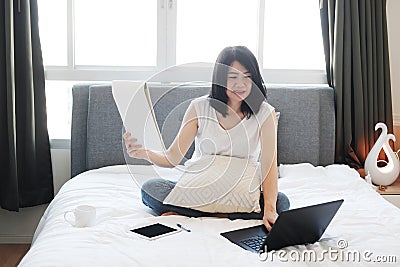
<point>154,231</point>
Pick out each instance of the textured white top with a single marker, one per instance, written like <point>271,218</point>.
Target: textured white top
<point>242,141</point>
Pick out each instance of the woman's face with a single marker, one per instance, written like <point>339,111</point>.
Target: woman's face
<point>238,82</point>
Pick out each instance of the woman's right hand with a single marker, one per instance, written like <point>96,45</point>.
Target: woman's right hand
<point>133,149</point>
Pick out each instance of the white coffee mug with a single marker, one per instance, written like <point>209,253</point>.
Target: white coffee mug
<point>85,215</point>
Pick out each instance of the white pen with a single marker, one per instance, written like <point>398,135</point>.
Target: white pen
<point>183,228</point>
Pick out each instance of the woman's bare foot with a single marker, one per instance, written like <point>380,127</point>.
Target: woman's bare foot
<point>169,213</point>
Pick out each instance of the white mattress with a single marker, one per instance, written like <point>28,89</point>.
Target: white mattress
<point>366,224</point>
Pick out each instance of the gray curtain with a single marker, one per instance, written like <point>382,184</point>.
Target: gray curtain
<point>25,162</point>
<point>357,64</point>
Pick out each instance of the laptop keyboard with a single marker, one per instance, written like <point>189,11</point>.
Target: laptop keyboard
<point>255,242</point>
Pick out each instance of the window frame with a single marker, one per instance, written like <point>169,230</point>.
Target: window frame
<point>166,55</point>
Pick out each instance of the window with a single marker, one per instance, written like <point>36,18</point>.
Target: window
<point>292,39</point>
<point>59,107</point>
<point>199,38</point>
<point>53,31</point>
<point>102,40</point>
<point>123,33</point>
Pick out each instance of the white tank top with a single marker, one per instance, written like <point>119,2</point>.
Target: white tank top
<point>242,141</point>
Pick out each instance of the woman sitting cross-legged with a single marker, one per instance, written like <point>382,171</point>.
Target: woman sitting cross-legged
<point>237,100</point>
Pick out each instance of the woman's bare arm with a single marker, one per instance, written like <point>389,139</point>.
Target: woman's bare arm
<point>269,168</point>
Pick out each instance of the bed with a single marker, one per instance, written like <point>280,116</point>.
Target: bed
<point>365,231</point>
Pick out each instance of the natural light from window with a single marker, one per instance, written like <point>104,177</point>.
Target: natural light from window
<point>205,27</point>
<point>59,107</point>
<point>53,31</point>
<point>98,40</point>
<point>116,33</point>
<point>292,35</point>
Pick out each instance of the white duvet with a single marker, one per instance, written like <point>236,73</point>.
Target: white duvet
<point>365,231</point>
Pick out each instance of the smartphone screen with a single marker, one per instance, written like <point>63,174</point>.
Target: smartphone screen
<point>153,230</point>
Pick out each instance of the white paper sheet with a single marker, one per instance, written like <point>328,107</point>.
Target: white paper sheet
<point>137,114</point>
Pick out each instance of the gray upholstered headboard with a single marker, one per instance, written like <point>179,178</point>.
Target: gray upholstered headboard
<point>306,130</point>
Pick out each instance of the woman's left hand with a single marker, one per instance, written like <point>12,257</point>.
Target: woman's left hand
<point>269,218</point>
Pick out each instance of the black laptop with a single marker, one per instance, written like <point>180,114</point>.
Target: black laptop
<point>293,227</point>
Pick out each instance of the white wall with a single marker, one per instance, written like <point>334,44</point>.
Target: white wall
<point>61,167</point>
<point>19,227</point>
<point>393,9</point>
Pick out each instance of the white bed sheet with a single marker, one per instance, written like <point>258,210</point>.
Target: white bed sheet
<point>366,223</point>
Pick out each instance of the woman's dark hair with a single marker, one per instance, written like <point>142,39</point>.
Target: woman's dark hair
<point>218,97</point>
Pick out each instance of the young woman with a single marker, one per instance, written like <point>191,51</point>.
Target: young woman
<point>238,97</point>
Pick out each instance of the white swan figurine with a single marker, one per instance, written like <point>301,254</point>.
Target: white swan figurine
<point>382,175</point>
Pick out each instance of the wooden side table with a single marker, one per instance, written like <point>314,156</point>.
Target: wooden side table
<point>391,192</point>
